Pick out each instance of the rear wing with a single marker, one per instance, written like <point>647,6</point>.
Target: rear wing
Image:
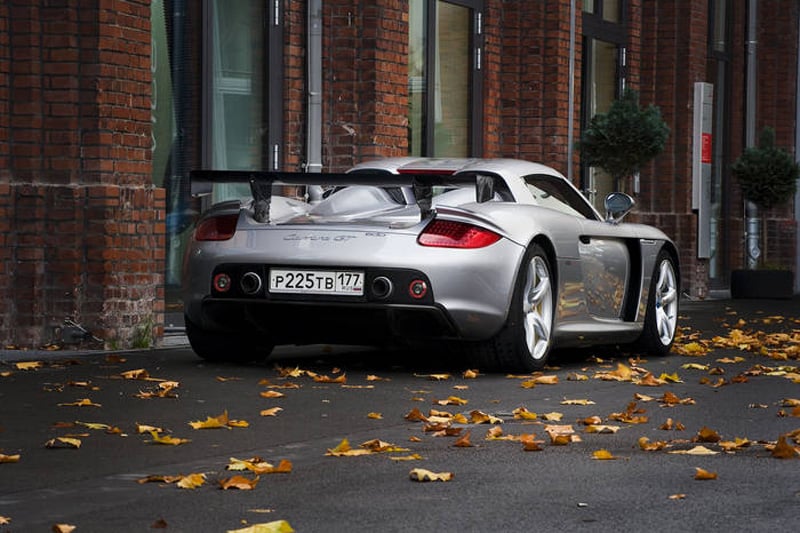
<point>261,183</point>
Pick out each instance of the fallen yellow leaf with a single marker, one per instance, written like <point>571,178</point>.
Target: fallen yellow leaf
<point>344,449</point>
<point>479,417</point>
<point>271,394</point>
<point>524,414</point>
<point>9,458</point>
<point>603,455</point>
<point>83,402</point>
<point>420,474</point>
<point>577,402</point>
<point>272,411</point>
<point>28,365</point>
<point>63,528</point>
<point>63,442</point>
<point>278,526</point>
<point>166,439</point>
<point>212,422</point>
<point>192,481</point>
<point>375,416</point>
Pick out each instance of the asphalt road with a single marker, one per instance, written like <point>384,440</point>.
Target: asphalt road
<point>496,485</point>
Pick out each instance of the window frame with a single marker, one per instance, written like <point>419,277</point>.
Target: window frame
<point>476,41</point>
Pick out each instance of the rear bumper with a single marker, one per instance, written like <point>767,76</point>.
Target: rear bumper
<point>303,322</point>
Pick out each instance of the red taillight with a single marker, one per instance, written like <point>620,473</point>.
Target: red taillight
<point>449,234</point>
<point>218,228</point>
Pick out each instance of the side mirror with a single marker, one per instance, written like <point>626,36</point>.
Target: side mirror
<point>618,204</point>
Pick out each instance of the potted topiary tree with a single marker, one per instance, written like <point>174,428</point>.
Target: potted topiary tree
<point>768,177</point>
<point>621,141</point>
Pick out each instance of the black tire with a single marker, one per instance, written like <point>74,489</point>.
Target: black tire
<point>227,347</point>
<point>526,339</point>
<point>661,317</point>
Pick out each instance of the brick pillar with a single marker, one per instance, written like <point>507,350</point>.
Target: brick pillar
<point>365,86</point>
<point>82,225</point>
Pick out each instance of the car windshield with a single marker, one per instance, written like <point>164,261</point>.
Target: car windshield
<point>554,193</point>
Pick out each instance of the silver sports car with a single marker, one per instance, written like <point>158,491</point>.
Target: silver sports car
<point>503,260</point>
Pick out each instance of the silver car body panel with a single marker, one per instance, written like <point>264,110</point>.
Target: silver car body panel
<point>603,270</point>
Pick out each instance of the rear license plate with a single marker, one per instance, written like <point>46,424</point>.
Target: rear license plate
<point>332,282</point>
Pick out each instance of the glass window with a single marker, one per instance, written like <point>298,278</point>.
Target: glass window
<point>235,96</point>
<point>441,77</point>
<point>599,94</point>
<point>213,105</point>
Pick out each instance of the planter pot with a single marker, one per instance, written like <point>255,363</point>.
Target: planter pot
<point>776,284</point>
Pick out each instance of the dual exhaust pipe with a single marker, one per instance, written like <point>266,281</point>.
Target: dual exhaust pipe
<point>251,284</point>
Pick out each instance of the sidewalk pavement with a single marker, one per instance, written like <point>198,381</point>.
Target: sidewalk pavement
<point>708,316</point>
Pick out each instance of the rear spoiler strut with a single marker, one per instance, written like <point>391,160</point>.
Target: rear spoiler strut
<point>261,184</point>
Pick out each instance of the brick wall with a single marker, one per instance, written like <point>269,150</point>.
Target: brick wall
<point>365,85</point>
<point>82,226</point>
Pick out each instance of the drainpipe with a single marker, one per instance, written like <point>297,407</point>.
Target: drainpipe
<point>571,96</point>
<point>314,65</point>
<point>753,222</point>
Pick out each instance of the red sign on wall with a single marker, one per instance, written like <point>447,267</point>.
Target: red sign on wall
<point>705,156</point>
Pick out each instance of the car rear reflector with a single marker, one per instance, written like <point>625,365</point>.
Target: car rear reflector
<point>217,228</point>
<point>450,234</point>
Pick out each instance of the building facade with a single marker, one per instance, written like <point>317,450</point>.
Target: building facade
<point>107,105</point>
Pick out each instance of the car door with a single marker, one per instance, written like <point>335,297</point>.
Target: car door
<point>606,270</point>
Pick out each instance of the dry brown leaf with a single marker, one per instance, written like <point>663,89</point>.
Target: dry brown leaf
<point>63,442</point>
<point>63,528</point>
<point>784,450</point>
<point>529,442</point>
<point>523,414</point>
<point>239,482</point>
<point>646,445</point>
<point>83,402</point>
<point>701,474</point>
<point>670,425</point>
<point>452,400</point>
<point>561,435</point>
<point>479,417</point>
<point>464,441</point>
<point>327,379</point>
<point>415,415</point>
<point>736,444</point>
<point>271,394</point>
<point>707,435</point>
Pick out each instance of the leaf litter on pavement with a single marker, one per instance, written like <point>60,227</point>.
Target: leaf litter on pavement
<point>777,353</point>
